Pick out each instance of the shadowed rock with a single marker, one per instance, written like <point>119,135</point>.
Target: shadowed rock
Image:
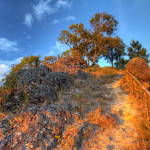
<point>139,67</point>
<point>37,85</point>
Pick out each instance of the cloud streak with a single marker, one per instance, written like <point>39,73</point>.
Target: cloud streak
<point>61,47</point>
<point>71,18</point>
<point>5,66</point>
<point>28,20</point>
<point>63,4</point>
<point>44,8</point>
<point>56,21</point>
<point>7,45</point>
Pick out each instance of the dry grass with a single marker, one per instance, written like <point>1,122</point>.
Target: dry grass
<point>71,134</point>
<point>141,104</point>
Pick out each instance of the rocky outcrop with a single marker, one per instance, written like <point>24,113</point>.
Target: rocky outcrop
<point>36,86</point>
<point>139,67</point>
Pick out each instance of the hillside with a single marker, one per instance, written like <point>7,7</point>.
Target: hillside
<point>75,110</point>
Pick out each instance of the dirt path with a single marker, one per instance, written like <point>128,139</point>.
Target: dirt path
<point>123,136</point>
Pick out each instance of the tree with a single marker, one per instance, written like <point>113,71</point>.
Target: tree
<point>90,43</point>
<point>72,38</point>
<point>115,49</point>
<point>121,63</point>
<point>50,59</point>
<point>66,53</point>
<point>27,62</point>
<point>103,25</point>
<point>136,50</point>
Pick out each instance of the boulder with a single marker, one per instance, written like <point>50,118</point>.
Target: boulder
<point>139,68</point>
<point>36,86</point>
<point>29,76</point>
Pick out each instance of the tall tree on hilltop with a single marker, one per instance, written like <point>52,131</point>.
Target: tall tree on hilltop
<point>103,25</point>
<point>90,43</point>
<point>136,50</point>
<point>115,49</point>
<point>72,38</point>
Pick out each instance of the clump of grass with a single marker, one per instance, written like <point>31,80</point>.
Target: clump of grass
<point>77,95</point>
<point>77,84</point>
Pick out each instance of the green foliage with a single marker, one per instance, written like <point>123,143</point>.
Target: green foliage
<point>66,53</point>
<point>10,82</point>
<point>121,64</point>
<point>50,59</point>
<point>115,49</point>
<point>136,50</point>
<point>25,96</point>
<point>26,62</point>
<point>89,43</point>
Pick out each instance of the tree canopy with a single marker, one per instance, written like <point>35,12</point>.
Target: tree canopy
<point>136,50</point>
<point>27,62</point>
<point>115,49</point>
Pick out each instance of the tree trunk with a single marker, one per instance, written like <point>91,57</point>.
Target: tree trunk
<point>88,61</point>
<point>112,64</point>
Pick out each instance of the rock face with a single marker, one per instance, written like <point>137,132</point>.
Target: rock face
<point>138,67</point>
<point>36,127</point>
<point>36,86</point>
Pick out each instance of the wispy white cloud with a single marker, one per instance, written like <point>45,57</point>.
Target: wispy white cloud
<point>71,18</point>
<point>3,69</point>
<point>63,20</point>
<point>58,48</point>
<point>63,4</point>
<point>51,53</point>
<point>56,21</point>
<point>11,62</point>
<point>28,20</point>
<point>5,66</point>
<point>61,47</point>
<point>43,8</point>
<point>7,45</point>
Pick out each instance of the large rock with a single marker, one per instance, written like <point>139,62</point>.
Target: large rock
<point>37,85</point>
<point>138,67</point>
<point>34,75</point>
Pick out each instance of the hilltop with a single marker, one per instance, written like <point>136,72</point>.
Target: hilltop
<point>81,108</point>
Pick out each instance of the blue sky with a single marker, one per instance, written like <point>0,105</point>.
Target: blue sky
<point>31,27</point>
